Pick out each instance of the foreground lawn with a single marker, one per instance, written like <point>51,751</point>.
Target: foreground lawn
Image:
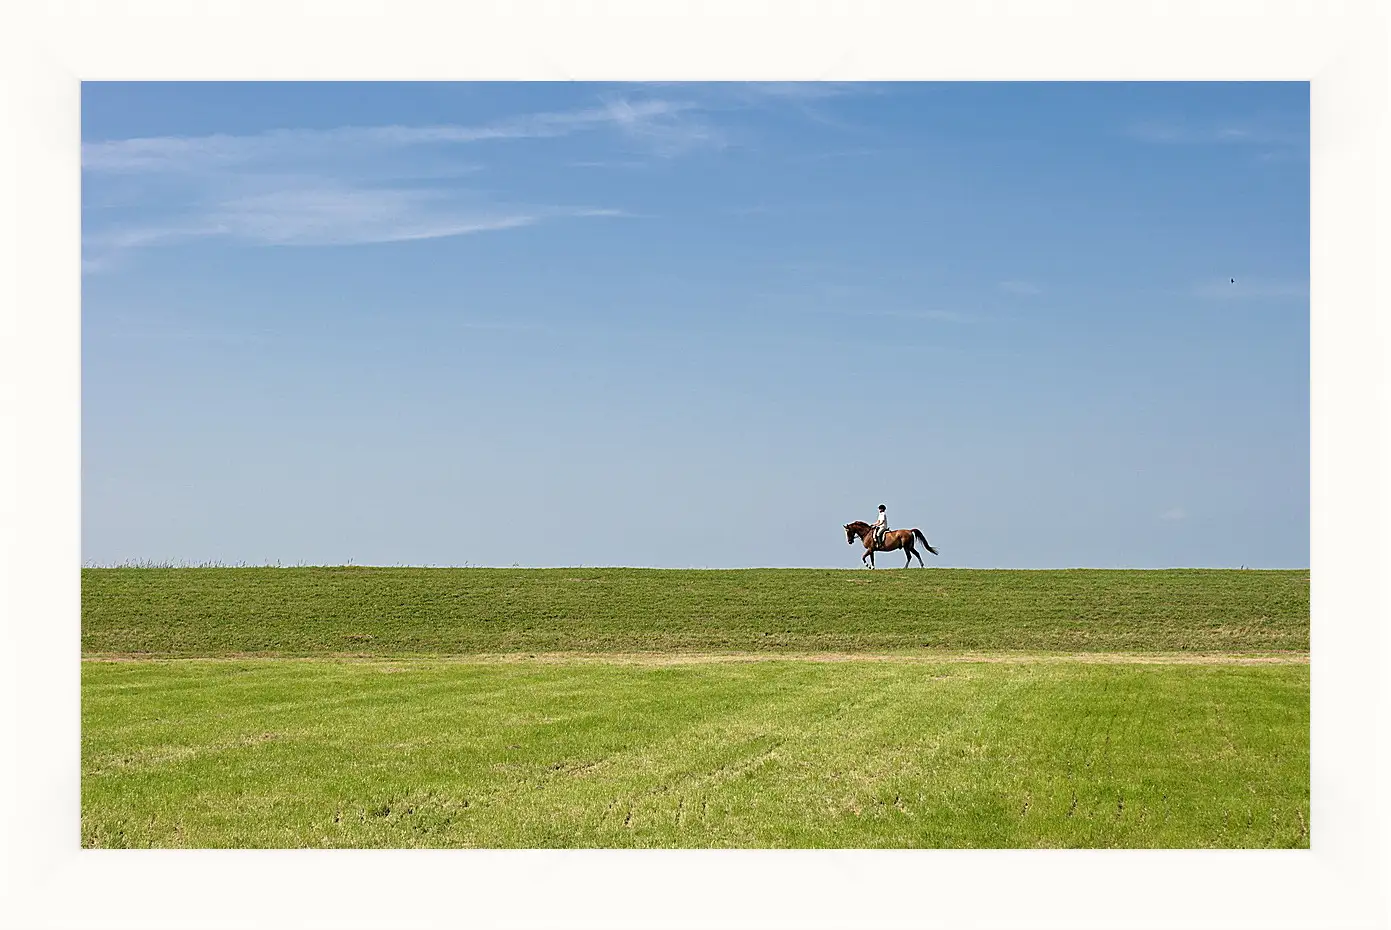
<point>413,611</point>
<point>774,753</point>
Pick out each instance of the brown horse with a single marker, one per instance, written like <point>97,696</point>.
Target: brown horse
<point>893,539</point>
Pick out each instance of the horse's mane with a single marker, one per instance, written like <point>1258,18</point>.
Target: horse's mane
<point>858,523</point>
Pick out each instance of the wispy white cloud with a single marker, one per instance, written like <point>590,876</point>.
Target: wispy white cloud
<point>672,130</point>
<point>360,184</point>
<point>657,118</point>
<point>342,186</point>
<point>809,98</point>
<point>813,100</point>
<point>1174,514</point>
<point>322,216</point>
<point>330,216</point>
<point>1024,288</point>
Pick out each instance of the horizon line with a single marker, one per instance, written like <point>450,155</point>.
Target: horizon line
<point>154,565</point>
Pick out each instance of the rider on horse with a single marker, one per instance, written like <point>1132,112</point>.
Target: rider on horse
<point>879,538</point>
<point>881,526</point>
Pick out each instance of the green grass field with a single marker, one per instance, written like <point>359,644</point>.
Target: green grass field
<point>369,611</point>
<point>616,708</point>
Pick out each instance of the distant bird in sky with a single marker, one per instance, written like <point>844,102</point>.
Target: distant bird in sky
<point>1233,280</point>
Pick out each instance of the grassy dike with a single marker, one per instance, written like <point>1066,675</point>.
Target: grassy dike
<point>392,611</point>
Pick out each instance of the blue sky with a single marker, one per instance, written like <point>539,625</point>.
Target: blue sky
<point>695,324</point>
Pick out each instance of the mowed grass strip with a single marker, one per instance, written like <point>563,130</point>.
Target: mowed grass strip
<point>421,753</point>
<point>409,611</point>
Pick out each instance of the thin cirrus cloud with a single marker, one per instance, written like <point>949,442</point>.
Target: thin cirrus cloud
<point>323,216</point>
<point>664,121</point>
<point>346,216</point>
<point>340,186</point>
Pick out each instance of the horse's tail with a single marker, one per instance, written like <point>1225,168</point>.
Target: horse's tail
<point>919,533</point>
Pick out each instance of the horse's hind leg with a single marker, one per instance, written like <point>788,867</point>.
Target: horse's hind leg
<point>909,553</point>
<point>918,556</point>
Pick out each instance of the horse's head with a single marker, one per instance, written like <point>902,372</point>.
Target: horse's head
<point>852,532</point>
